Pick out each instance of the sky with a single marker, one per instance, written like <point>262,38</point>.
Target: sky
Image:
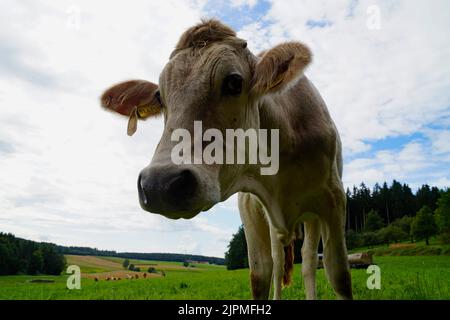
<point>68,170</point>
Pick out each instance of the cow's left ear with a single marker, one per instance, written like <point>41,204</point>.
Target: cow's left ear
<point>136,99</point>
<point>279,67</point>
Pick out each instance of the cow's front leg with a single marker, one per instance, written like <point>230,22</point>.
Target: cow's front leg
<point>257,236</point>
<point>278,258</point>
<point>335,253</point>
<point>260,263</point>
<point>309,257</point>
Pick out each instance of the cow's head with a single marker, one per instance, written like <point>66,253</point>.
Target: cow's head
<point>211,77</point>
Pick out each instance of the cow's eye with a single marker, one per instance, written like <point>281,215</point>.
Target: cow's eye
<point>232,84</point>
<point>158,97</point>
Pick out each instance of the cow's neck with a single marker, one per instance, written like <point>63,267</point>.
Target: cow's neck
<point>296,114</point>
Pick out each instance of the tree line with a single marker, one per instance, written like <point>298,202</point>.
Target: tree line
<point>394,213</point>
<point>391,202</point>
<point>383,215</point>
<point>20,256</point>
<point>431,219</point>
<point>174,257</point>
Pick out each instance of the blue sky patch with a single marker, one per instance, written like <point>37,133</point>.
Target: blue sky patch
<point>351,8</point>
<point>5,147</point>
<point>321,23</point>
<point>388,144</point>
<point>237,17</point>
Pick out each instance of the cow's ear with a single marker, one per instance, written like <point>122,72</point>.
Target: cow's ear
<point>136,99</point>
<point>280,67</point>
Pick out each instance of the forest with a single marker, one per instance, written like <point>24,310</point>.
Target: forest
<point>382,215</point>
<point>20,256</point>
<point>390,202</point>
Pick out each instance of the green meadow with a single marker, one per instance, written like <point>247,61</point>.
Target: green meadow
<point>402,277</point>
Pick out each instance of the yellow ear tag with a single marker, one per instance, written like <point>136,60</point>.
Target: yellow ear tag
<point>144,111</point>
<point>132,122</point>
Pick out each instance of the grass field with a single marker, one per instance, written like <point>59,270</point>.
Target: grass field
<point>402,277</point>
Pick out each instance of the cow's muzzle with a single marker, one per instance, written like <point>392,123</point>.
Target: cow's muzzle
<point>172,192</point>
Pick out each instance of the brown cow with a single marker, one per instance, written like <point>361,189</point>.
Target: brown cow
<point>213,77</point>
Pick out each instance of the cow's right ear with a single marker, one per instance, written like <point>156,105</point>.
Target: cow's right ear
<point>280,67</point>
<point>136,99</point>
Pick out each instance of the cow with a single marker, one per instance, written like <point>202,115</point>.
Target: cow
<point>213,77</point>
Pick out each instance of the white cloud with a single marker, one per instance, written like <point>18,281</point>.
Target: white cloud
<point>69,171</point>
<point>241,3</point>
<point>440,140</point>
<point>377,83</point>
<point>414,164</point>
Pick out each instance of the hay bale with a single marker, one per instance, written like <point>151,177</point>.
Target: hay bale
<point>360,260</point>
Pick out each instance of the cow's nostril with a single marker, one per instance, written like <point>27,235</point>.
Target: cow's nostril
<point>182,186</point>
<point>167,189</point>
<point>141,191</point>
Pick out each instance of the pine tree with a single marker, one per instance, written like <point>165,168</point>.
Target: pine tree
<point>424,225</point>
<point>36,263</point>
<point>236,256</point>
<point>443,216</point>
<point>374,221</point>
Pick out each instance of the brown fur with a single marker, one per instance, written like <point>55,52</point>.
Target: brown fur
<point>203,34</point>
<point>288,264</point>
<point>279,66</point>
<point>258,287</point>
<point>123,97</point>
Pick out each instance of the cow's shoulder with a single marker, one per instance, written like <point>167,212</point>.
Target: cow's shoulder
<point>310,123</point>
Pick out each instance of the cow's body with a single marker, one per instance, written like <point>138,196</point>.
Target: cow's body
<point>212,77</point>
<point>306,189</point>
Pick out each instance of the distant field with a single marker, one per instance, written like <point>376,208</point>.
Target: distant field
<point>421,277</point>
<point>142,262</point>
<point>164,265</point>
<point>91,264</point>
